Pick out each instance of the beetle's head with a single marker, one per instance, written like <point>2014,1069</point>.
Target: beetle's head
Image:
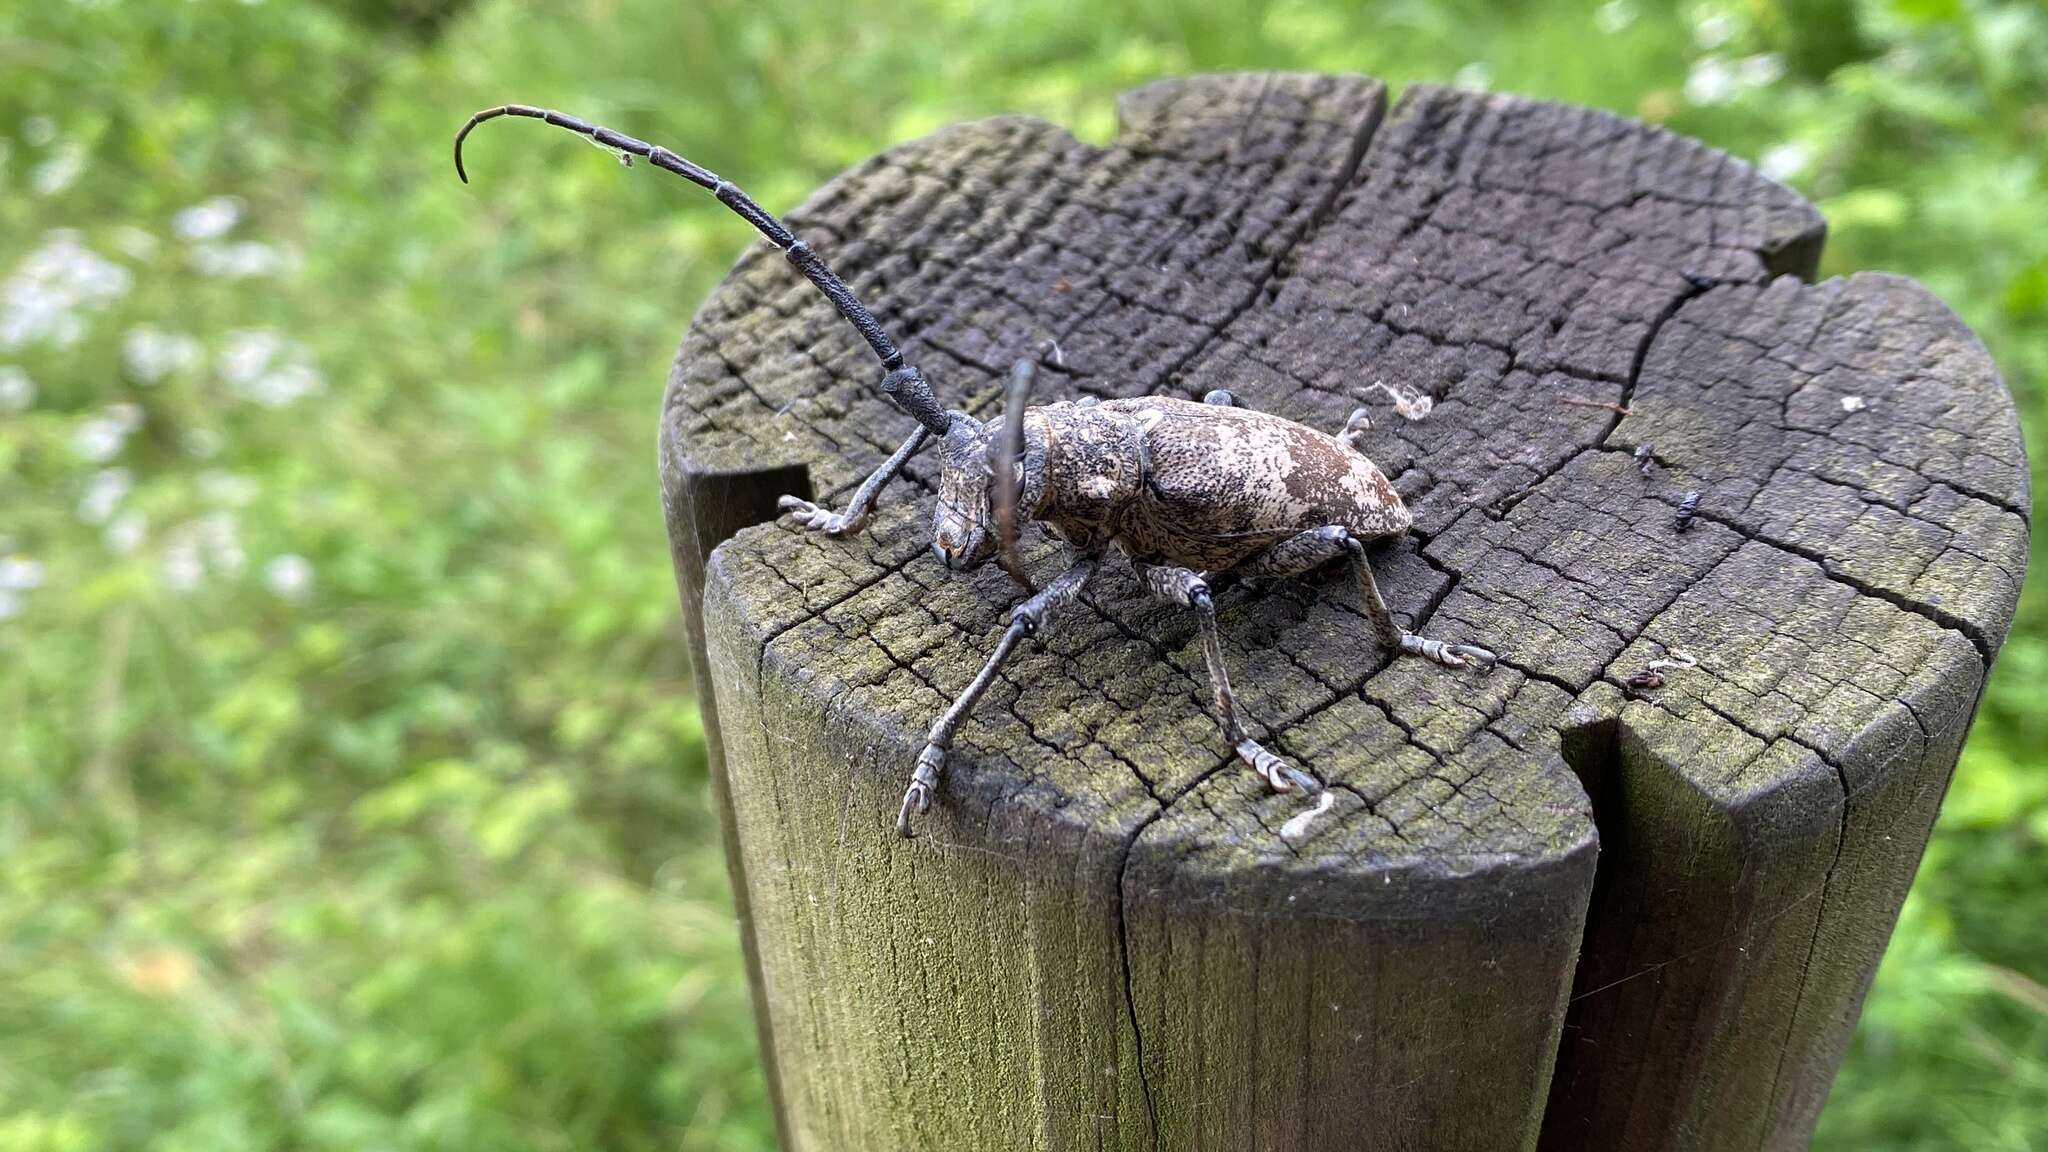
<point>965,524</point>
<point>962,535</point>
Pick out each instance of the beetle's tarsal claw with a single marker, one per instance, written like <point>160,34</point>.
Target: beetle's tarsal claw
<point>1356,427</point>
<point>1277,773</point>
<point>1448,655</point>
<point>819,518</point>
<point>918,797</point>
<point>915,799</point>
<point>1482,658</point>
<point>1308,784</point>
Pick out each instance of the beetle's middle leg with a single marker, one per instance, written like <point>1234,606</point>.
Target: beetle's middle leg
<point>1188,589</point>
<point>1316,547</point>
<point>1025,619</point>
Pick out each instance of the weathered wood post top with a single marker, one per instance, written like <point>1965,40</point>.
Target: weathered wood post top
<point>1566,905</point>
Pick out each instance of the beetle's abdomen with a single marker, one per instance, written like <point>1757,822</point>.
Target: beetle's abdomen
<point>1223,484</point>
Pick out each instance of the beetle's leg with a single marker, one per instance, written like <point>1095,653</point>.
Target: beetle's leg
<point>1295,555</point>
<point>1314,548</point>
<point>1355,428</point>
<point>1025,619</point>
<point>858,509</point>
<point>1400,639</point>
<point>1188,589</point>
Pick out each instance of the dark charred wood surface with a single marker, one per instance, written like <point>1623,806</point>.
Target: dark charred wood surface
<point>1549,909</point>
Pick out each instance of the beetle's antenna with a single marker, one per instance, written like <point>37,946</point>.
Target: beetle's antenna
<point>905,385</point>
<point>1007,452</point>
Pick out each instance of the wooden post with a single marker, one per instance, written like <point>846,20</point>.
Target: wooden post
<point>1553,907</point>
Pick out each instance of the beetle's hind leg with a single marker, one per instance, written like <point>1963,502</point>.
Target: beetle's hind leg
<point>1319,546</point>
<point>1188,589</point>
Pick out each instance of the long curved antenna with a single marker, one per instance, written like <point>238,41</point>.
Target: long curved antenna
<point>905,385</point>
<point>1003,465</point>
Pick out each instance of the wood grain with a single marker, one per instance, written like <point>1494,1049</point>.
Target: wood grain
<point>1548,909</point>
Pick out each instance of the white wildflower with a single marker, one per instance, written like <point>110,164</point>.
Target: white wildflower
<point>1614,16</point>
<point>1760,71</point>
<point>288,577</point>
<point>1711,81</point>
<point>42,299</point>
<point>1713,29</point>
<point>183,570</point>
<point>211,543</point>
<point>1473,77</point>
<point>288,383</point>
<point>150,354</point>
<point>208,219</point>
<point>247,353</point>
<point>266,368</point>
<point>60,171</point>
<point>222,540</point>
<point>127,532</point>
<point>97,441</point>
<point>17,391</point>
<point>135,243</point>
<point>20,574</point>
<point>103,495</point>
<point>1782,162</point>
<point>231,489</point>
<point>242,260</point>
<point>100,438</point>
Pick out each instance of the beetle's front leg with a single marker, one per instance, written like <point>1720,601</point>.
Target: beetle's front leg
<point>862,506</point>
<point>1188,589</point>
<point>1025,619</point>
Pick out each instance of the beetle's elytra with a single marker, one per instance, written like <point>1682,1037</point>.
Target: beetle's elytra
<point>1187,492</point>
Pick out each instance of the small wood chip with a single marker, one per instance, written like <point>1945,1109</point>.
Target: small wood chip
<point>1609,405</point>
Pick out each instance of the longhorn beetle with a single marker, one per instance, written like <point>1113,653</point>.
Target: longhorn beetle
<point>1188,493</point>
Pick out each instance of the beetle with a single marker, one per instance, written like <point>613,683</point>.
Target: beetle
<point>1189,493</point>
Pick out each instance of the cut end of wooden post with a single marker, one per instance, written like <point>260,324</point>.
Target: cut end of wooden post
<point>1625,891</point>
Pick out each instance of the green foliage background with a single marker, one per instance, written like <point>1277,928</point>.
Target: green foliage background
<point>351,795</point>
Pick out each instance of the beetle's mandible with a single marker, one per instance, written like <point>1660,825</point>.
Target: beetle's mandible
<point>1189,493</point>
